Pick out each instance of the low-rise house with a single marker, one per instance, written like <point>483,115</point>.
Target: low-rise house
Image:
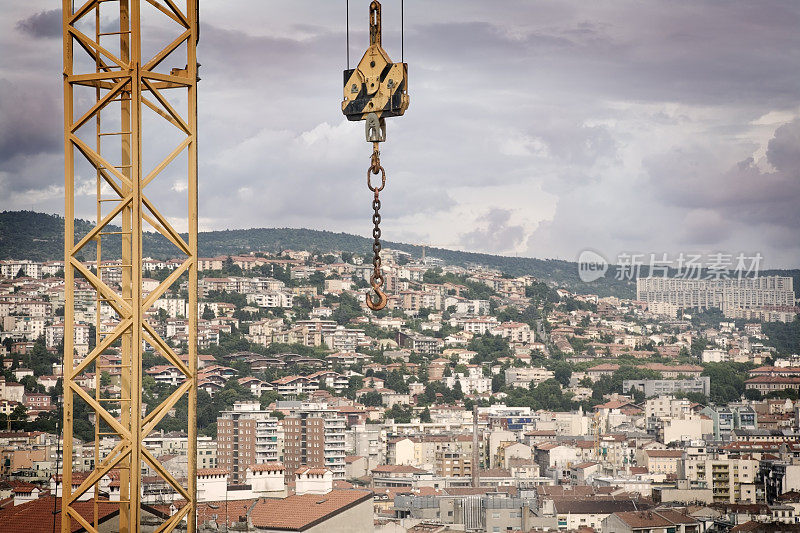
<point>663,461</point>
<point>652,521</point>
<point>574,514</point>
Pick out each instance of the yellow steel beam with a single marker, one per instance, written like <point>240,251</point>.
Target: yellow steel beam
<point>166,161</point>
<point>120,77</point>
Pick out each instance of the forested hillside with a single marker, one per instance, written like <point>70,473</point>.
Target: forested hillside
<point>39,237</point>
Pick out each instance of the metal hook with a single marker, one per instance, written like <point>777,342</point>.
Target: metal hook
<point>380,303</point>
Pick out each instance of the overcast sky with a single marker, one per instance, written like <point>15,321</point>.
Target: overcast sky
<point>535,128</point>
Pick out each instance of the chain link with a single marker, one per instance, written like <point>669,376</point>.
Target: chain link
<point>377,302</point>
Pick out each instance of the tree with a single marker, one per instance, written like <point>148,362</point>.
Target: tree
<point>268,397</point>
<point>784,337</point>
<point>39,359</point>
<point>489,348</point>
<point>563,372</point>
<point>637,395</point>
<point>400,414</point>
<point>371,398</point>
<point>727,381</point>
<point>546,395</point>
<point>698,345</point>
<point>498,381</point>
<point>395,381</point>
<point>752,394</point>
<point>208,313</point>
<point>611,384</point>
<point>349,308</point>
<point>458,393</point>
<point>425,415</point>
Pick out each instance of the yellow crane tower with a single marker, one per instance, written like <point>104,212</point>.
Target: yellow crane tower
<point>106,130</point>
<point>108,86</point>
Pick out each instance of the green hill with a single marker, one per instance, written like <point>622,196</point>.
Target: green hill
<point>39,237</point>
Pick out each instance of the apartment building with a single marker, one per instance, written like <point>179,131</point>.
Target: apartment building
<point>54,335</point>
<point>657,387</point>
<point>313,436</point>
<point>418,343</point>
<point>515,332</point>
<point>452,464</point>
<point>271,299</point>
<point>247,436</point>
<point>415,300</point>
<point>731,480</point>
<point>523,376</point>
<point>724,294</point>
<point>344,339</point>
<point>730,417</point>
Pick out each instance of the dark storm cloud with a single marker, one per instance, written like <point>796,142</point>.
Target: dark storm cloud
<point>44,25</point>
<point>743,192</point>
<point>783,150</point>
<point>30,121</point>
<point>689,52</point>
<point>538,127</point>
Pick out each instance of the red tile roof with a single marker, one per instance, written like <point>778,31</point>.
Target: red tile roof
<point>37,516</point>
<point>268,467</point>
<point>664,454</point>
<point>212,472</point>
<point>300,512</point>
<point>396,469</point>
<point>21,487</point>
<point>650,519</point>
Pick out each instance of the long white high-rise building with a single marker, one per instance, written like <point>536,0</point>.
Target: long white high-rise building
<point>724,294</point>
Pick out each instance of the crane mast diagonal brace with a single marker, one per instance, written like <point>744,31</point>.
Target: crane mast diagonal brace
<point>125,85</point>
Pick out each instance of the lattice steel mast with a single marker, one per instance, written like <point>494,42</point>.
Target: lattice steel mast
<point>123,82</point>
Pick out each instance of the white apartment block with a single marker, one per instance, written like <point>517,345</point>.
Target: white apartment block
<point>723,294</point>
<point>469,384</point>
<point>271,299</point>
<point>54,334</point>
<point>416,300</point>
<point>470,307</point>
<point>478,325</point>
<point>515,332</point>
<point>345,340</point>
<point>31,327</point>
<point>173,307</point>
<point>522,377</point>
<point>10,269</point>
<point>25,307</point>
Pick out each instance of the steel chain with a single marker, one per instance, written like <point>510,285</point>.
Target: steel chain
<point>376,280</point>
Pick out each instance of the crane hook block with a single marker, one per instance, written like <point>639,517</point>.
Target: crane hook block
<point>376,85</point>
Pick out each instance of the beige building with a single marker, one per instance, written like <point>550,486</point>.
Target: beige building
<point>692,427</point>
<point>731,480</point>
<point>662,461</point>
<point>427,451</point>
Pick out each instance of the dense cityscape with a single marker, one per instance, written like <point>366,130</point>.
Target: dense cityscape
<point>475,401</point>
<point>378,266</point>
